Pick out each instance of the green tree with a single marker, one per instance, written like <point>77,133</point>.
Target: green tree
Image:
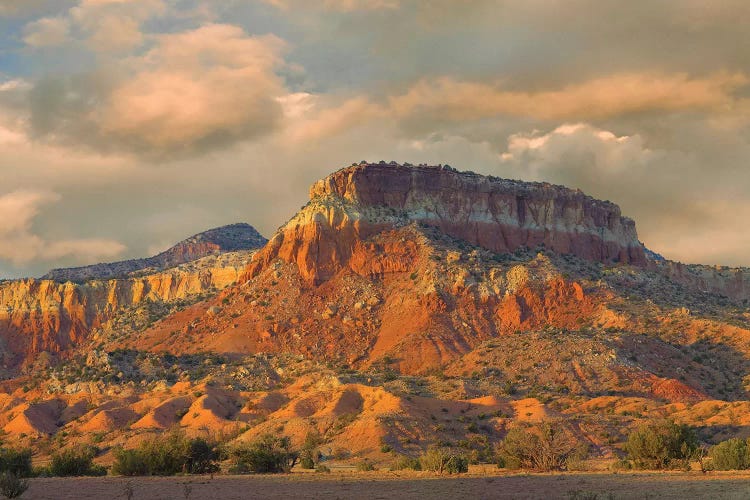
<point>12,486</point>
<point>166,455</point>
<point>268,454</point>
<point>661,444</point>
<point>76,462</point>
<point>548,446</point>
<point>732,454</point>
<point>309,454</point>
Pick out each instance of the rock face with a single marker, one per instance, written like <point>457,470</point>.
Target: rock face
<point>44,315</point>
<point>228,238</point>
<point>733,283</point>
<point>497,214</point>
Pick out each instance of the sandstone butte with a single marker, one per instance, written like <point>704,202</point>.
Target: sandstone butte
<point>500,215</point>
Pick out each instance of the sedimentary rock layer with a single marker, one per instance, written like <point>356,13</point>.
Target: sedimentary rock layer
<point>44,315</point>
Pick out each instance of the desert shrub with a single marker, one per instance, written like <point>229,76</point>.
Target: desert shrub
<point>621,465</point>
<point>202,457</point>
<point>130,463</point>
<point>75,462</point>
<point>440,459</point>
<point>164,455</point>
<point>661,444</point>
<point>268,454</point>
<point>309,454</point>
<point>11,485</point>
<point>17,462</point>
<point>322,468</point>
<point>167,455</point>
<point>306,460</point>
<point>406,462</point>
<point>364,466</point>
<point>548,446</point>
<point>732,454</point>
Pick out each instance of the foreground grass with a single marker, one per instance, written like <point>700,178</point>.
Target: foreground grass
<point>401,485</point>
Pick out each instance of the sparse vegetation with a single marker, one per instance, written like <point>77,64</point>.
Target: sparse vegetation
<point>365,465</point>
<point>443,460</point>
<point>406,462</point>
<point>16,462</point>
<point>732,454</point>
<point>166,455</point>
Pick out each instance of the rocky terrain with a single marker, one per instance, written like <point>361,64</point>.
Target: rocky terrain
<point>230,238</point>
<point>54,314</point>
<point>401,307</point>
<point>38,316</point>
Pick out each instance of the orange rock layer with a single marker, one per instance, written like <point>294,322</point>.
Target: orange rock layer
<point>44,315</point>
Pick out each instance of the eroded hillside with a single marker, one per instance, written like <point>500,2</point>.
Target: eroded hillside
<point>406,306</point>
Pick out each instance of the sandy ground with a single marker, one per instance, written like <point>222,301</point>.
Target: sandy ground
<point>402,485</point>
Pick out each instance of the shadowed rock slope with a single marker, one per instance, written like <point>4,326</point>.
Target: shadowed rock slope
<point>230,238</point>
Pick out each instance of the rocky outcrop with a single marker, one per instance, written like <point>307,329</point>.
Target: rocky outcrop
<point>500,215</point>
<point>733,283</point>
<point>230,238</point>
<point>44,315</point>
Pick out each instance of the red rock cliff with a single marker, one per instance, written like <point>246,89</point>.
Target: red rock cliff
<point>497,214</point>
<point>44,315</point>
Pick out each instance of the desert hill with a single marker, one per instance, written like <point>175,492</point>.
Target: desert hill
<point>229,238</point>
<point>404,306</point>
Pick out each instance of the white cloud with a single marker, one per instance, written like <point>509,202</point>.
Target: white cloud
<point>211,85</point>
<point>192,91</point>
<point>104,25</point>
<point>47,31</point>
<point>336,5</point>
<point>20,245</point>
<point>539,153</point>
<point>643,105</point>
<point>453,100</point>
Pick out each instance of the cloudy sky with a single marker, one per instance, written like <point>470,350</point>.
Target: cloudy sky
<point>126,125</point>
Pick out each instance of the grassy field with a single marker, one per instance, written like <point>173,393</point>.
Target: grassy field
<point>404,485</point>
